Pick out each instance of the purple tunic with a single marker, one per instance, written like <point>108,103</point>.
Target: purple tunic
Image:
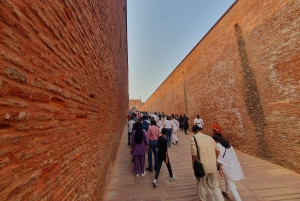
<point>139,149</point>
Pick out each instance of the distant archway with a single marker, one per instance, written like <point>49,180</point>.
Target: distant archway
<point>134,108</point>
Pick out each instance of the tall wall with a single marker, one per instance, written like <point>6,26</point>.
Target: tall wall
<point>63,87</point>
<point>244,72</point>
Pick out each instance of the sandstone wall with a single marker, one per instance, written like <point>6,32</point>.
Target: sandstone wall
<point>135,103</point>
<point>244,72</point>
<point>63,87</point>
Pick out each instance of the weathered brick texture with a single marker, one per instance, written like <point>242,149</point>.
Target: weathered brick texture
<point>63,89</point>
<point>244,72</point>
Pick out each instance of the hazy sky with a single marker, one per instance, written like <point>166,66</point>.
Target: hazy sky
<point>161,33</point>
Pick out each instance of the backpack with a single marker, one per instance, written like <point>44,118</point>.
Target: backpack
<point>145,125</point>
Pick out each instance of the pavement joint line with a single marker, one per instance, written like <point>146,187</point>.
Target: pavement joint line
<point>291,199</point>
<point>281,195</point>
<point>267,188</point>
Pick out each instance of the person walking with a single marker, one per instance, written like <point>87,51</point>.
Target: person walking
<point>163,157</point>
<point>175,129</point>
<point>169,127</point>
<point>185,123</point>
<point>216,128</point>
<point>130,125</point>
<point>134,118</point>
<point>163,115</point>
<point>163,119</point>
<point>208,151</point>
<point>180,122</point>
<point>129,115</point>
<point>152,134</point>
<point>134,127</point>
<point>159,123</point>
<point>145,123</point>
<point>138,148</point>
<point>198,122</point>
<point>229,168</point>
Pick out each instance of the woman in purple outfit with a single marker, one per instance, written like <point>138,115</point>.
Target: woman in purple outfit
<point>138,148</point>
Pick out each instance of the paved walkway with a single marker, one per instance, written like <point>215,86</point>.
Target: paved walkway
<point>263,181</point>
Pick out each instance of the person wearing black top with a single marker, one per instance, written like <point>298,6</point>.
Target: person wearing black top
<point>163,156</point>
<point>185,123</point>
<point>181,122</point>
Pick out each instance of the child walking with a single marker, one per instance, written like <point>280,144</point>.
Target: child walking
<point>163,156</point>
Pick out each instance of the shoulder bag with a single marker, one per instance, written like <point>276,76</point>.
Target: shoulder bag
<point>175,129</point>
<point>198,167</point>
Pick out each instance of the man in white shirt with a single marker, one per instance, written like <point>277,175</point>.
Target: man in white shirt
<point>169,126</point>
<point>155,116</point>
<point>198,122</point>
<point>159,124</point>
<point>175,129</point>
<point>130,125</point>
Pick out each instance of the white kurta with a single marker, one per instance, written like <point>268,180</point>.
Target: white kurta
<point>160,125</point>
<point>230,163</point>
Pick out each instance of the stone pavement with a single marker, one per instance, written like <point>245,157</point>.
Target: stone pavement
<point>263,181</point>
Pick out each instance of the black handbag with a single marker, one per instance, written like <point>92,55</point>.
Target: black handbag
<point>198,167</point>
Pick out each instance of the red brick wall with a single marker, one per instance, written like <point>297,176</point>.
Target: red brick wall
<point>63,87</point>
<point>244,72</point>
<point>135,102</point>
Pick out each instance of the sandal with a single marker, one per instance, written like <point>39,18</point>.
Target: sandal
<point>225,195</point>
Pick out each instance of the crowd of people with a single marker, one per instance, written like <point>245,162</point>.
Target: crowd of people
<point>153,133</point>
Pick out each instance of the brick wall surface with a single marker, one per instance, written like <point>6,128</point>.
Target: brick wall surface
<point>244,72</point>
<point>63,87</point>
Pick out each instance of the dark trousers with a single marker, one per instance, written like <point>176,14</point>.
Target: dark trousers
<point>152,148</point>
<point>129,137</point>
<point>168,135</point>
<point>181,126</point>
<point>159,167</point>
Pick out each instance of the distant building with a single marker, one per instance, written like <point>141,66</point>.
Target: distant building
<point>135,104</point>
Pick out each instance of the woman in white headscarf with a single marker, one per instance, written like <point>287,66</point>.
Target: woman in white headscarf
<point>229,167</point>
